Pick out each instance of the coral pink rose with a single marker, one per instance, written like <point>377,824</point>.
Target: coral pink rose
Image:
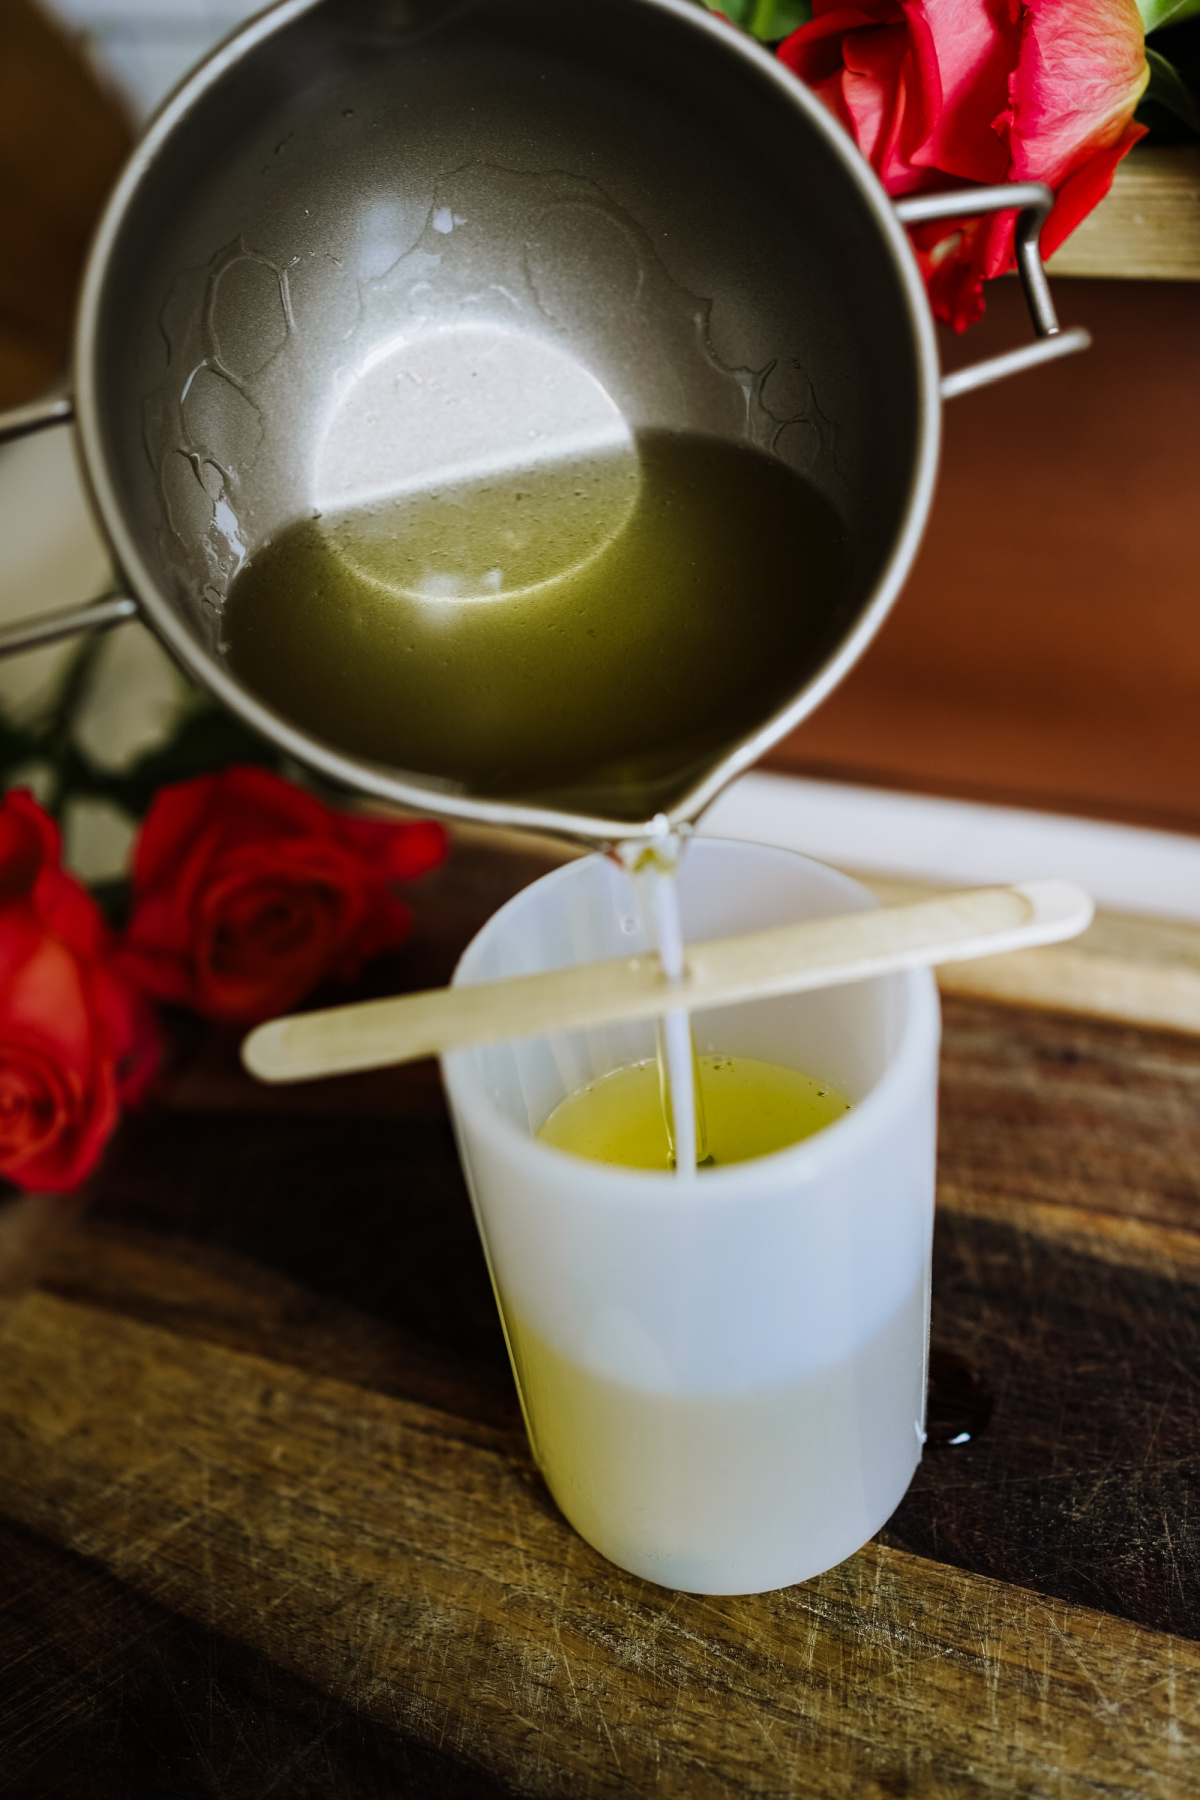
<point>248,891</point>
<point>938,93</point>
<point>76,1039</point>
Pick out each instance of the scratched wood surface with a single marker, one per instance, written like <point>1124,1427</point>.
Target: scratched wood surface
<point>268,1523</point>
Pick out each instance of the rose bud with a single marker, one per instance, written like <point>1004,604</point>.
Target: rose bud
<point>248,891</point>
<point>76,1038</point>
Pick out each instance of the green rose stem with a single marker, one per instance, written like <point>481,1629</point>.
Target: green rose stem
<point>56,746</point>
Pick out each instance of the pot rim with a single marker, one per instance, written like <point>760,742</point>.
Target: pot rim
<point>429,795</point>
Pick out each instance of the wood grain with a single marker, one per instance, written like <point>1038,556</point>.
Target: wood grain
<point>268,1523</point>
<point>1068,1150</point>
<point>1162,1250</point>
<point>311,1520</point>
<point>1144,971</point>
<point>1082,1484</point>
<point>1148,226</point>
<point>107,1695</point>
<point>1052,1110</point>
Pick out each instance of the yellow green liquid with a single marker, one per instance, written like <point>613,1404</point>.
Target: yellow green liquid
<point>750,1109</point>
<point>593,631</point>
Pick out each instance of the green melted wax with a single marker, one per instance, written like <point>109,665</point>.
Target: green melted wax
<point>592,633</point>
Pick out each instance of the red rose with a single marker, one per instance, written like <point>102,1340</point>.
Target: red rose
<point>938,93</point>
<point>76,1038</point>
<point>248,891</point>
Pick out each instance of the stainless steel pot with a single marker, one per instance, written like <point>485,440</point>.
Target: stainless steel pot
<point>629,188</point>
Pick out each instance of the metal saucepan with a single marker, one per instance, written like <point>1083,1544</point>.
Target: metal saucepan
<point>632,197</point>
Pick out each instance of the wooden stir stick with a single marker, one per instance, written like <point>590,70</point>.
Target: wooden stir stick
<point>790,959</point>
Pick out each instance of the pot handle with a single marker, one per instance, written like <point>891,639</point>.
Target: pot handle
<point>1033,199</point>
<point>23,421</point>
<point>94,615</point>
<point>71,621</point>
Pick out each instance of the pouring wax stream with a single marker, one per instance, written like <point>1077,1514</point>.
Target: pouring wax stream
<point>759,1106</point>
<point>711,1110</point>
<point>653,870</point>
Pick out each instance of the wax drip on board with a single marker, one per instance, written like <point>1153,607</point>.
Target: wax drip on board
<point>653,869</point>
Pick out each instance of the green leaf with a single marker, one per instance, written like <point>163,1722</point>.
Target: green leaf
<point>1157,13</point>
<point>17,749</point>
<point>767,20</point>
<point>771,20</point>
<point>207,738</point>
<point>58,728</point>
<point>113,899</point>
<point>1167,88</point>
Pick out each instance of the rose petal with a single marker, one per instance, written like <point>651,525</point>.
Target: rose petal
<point>28,842</point>
<point>984,91</point>
<point>1081,72</point>
<point>976,46</point>
<point>1085,189</point>
<point>249,891</point>
<point>66,1017</point>
<point>53,1125</point>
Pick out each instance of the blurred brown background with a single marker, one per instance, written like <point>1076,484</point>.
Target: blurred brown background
<point>62,140</point>
<point>1047,649</point>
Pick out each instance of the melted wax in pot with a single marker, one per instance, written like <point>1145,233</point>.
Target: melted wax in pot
<point>592,631</point>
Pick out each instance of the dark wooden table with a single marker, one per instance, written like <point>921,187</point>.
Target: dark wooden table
<point>269,1526</point>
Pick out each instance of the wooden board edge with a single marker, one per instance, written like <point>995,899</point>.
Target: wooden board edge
<point>1132,970</point>
<point>1148,226</point>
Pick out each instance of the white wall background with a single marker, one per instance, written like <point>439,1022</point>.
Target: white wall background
<point>148,45</point>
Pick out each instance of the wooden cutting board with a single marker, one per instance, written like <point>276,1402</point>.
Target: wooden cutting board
<point>268,1522</point>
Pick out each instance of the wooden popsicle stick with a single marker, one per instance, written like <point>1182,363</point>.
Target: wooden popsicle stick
<point>790,959</point>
